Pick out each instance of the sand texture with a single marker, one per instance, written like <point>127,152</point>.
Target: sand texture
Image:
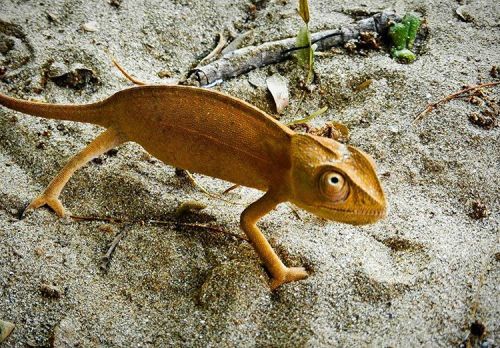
<point>419,278</point>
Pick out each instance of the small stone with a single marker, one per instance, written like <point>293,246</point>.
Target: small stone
<point>479,210</point>
<point>394,129</point>
<point>494,71</point>
<point>98,160</point>
<point>39,251</point>
<point>483,120</point>
<point>52,17</point>
<point>76,76</point>
<point>50,291</point>
<point>165,73</point>
<point>90,26</point>
<point>463,13</point>
<point>40,145</point>
<point>350,46</point>
<point>115,3</point>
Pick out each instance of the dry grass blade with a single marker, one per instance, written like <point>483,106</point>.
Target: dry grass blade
<point>310,117</point>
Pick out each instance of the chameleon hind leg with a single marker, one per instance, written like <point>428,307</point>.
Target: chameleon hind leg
<point>279,272</point>
<point>50,197</point>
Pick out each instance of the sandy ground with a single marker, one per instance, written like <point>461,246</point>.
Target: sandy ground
<point>418,278</point>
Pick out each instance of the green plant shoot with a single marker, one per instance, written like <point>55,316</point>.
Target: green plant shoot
<point>403,37</point>
<point>305,56</point>
<point>310,117</point>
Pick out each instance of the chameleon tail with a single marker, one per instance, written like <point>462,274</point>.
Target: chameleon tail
<point>87,113</point>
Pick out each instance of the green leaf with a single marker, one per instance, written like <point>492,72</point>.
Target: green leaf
<point>412,21</point>
<point>304,39</point>
<point>398,34</point>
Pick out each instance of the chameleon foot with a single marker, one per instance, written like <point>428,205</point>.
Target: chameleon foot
<point>289,274</point>
<point>51,201</point>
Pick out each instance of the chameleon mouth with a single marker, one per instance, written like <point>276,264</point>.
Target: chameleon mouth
<point>352,216</point>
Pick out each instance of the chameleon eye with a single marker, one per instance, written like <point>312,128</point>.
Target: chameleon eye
<point>334,186</point>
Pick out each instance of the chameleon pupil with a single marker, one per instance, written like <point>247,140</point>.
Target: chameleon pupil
<point>334,180</point>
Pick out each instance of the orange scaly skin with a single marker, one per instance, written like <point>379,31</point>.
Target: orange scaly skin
<point>215,134</point>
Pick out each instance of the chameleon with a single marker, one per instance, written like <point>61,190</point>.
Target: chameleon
<point>215,134</point>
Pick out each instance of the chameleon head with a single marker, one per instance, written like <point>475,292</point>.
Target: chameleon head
<point>335,181</point>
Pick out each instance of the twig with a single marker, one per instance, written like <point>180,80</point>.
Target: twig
<point>248,58</point>
<point>216,50</point>
<point>226,191</point>
<point>125,73</point>
<point>155,222</point>
<point>97,218</point>
<point>295,212</point>
<point>452,96</point>
<point>106,259</point>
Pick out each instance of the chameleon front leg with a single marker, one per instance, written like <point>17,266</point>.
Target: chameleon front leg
<point>104,142</point>
<point>280,273</point>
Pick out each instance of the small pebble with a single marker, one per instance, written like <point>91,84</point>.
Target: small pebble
<point>90,26</point>
<point>479,210</point>
<point>51,291</point>
<point>394,129</point>
<point>39,251</point>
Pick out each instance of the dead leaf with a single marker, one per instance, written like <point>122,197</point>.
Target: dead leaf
<point>304,10</point>
<point>277,85</point>
<point>5,329</point>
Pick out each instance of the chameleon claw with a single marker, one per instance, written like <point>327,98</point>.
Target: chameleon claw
<point>52,202</point>
<point>290,274</point>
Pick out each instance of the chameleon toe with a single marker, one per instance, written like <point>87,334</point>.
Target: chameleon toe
<point>52,202</point>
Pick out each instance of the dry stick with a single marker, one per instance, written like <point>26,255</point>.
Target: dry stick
<point>156,222</point>
<point>216,50</point>
<point>452,96</point>
<point>248,58</point>
<point>106,259</point>
<point>226,191</point>
<point>97,218</point>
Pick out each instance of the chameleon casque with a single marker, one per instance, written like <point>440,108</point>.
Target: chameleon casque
<point>212,133</point>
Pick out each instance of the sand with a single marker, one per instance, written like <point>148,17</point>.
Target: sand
<point>418,278</point>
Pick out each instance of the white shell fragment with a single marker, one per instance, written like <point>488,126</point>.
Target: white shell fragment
<point>5,329</point>
<point>90,26</point>
<point>277,85</point>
